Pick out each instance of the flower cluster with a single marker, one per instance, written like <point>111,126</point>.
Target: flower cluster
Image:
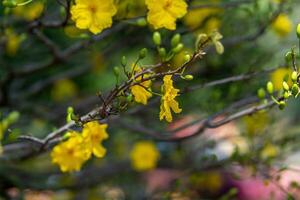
<point>71,154</point>
<point>168,102</point>
<point>97,15</point>
<point>144,156</point>
<point>142,91</point>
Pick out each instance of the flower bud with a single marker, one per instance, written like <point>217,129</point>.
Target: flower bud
<point>162,52</point>
<point>117,71</point>
<point>13,117</point>
<point>295,89</point>
<point>188,77</point>
<point>298,31</point>
<point>178,48</point>
<point>124,61</point>
<point>143,53</point>
<point>281,105</point>
<point>9,3</point>
<point>141,22</point>
<point>294,76</point>
<point>261,93</point>
<point>156,38</point>
<point>270,87</point>
<point>288,56</point>
<point>175,40</point>
<point>285,86</point>
<point>187,58</point>
<point>129,98</point>
<point>286,95</point>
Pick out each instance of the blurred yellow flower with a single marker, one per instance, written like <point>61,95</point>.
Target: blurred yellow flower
<point>63,90</point>
<point>144,156</point>
<point>13,41</point>
<point>93,15</point>
<point>203,18</point>
<point>30,11</point>
<point>280,75</point>
<point>168,101</point>
<point>164,13</point>
<point>269,151</point>
<point>141,92</point>
<point>93,134</point>
<point>71,154</point>
<point>256,123</point>
<point>282,25</point>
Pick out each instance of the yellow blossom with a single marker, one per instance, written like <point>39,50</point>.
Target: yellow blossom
<point>164,13</point>
<point>71,154</point>
<point>144,156</point>
<point>93,134</point>
<point>64,89</point>
<point>93,15</point>
<point>141,92</point>
<point>30,11</point>
<point>168,101</point>
<point>203,18</point>
<point>269,151</point>
<point>282,25</point>
<point>280,75</point>
<point>13,41</point>
<point>256,123</point>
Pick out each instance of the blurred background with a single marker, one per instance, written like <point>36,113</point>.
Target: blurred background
<point>47,67</point>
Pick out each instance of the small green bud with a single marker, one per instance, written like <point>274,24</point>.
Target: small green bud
<point>175,40</point>
<point>13,117</point>
<point>286,95</point>
<point>66,136</point>
<point>295,89</point>
<point>117,71</point>
<point>281,105</point>
<point>143,53</point>
<point>70,112</point>
<point>298,31</point>
<point>129,98</point>
<point>270,87</point>
<point>188,77</point>
<point>141,22</point>
<point>178,48</point>
<point>156,38</point>
<point>288,56</point>
<point>187,58</point>
<point>294,76</point>
<point>9,3</point>
<point>285,86</point>
<point>124,61</point>
<point>162,52</point>
<point>261,93</point>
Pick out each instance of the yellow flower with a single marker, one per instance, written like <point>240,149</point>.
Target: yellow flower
<point>64,89</point>
<point>13,42</point>
<point>93,15</point>
<point>163,13</point>
<point>30,11</point>
<point>141,92</point>
<point>280,75</point>
<point>71,154</point>
<point>197,18</point>
<point>282,25</point>
<point>269,151</point>
<point>93,134</point>
<point>144,156</point>
<point>168,101</point>
<point>256,123</point>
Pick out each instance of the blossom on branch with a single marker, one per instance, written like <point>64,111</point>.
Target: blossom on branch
<point>93,15</point>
